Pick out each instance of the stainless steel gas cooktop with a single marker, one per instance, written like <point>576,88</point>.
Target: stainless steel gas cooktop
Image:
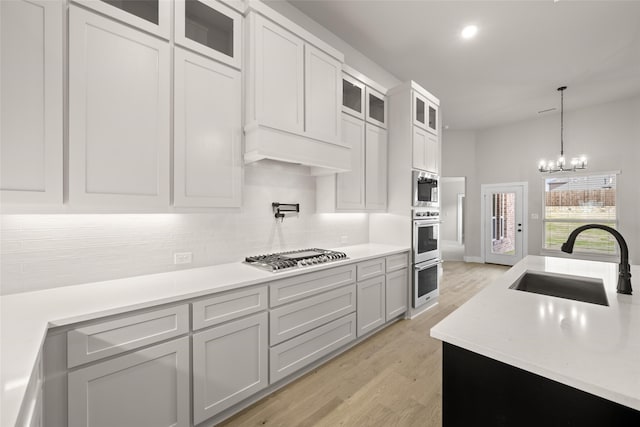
<point>294,259</point>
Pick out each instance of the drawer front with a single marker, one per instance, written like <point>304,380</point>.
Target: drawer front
<point>296,318</point>
<point>397,261</point>
<point>296,288</point>
<point>94,342</point>
<point>219,309</point>
<point>295,354</point>
<point>372,268</point>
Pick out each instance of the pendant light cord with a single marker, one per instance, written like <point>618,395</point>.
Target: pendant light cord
<point>561,89</point>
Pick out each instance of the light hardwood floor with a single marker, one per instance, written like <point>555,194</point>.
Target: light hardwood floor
<point>392,379</point>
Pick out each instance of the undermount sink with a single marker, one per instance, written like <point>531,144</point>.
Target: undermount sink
<point>585,289</point>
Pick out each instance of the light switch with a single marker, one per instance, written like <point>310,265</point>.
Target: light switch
<point>535,216</point>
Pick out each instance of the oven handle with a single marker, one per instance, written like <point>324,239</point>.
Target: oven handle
<point>422,222</point>
<point>431,264</point>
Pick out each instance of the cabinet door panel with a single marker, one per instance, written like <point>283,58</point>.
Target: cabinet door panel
<point>397,286</point>
<point>210,27</point>
<point>371,304</point>
<point>376,168</point>
<point>353,92</point>
<point>148,388</point>
<point>229,364</point>
<point>376,107</point>
<point>431,154</point>
<point>419,148</point>
<point>279,79</point>
<point>208,126</point>
<point>420,110</point>
<point>152,16</point>
<point>323,95</point>
<point>31,102</point>
<point>118,114</point>
<point>350,185</point>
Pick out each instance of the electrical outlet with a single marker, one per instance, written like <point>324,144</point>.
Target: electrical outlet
<point>344,239</point>
<point>182,258</point>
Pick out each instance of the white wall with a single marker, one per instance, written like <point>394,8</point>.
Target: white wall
<point>609,134</point>
<point>449,190</point>
<point>45,251</point>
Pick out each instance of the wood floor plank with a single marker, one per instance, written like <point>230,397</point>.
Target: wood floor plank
<point>392,379</point>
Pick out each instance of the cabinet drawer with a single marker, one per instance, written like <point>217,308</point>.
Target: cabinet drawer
<point>298,352</point>
<point>302,316</point>
<point>397,262</point>
<point>94,342</point>
<point>221,308</point>
<point>372,268</point>
<point>295,288</point>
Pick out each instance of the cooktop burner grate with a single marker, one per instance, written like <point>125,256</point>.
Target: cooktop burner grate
<point>294,259</point>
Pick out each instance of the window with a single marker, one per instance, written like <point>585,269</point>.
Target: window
<point>572,201</point>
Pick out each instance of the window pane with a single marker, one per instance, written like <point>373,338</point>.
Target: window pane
<point>145,9</point>
<point>598,241</point>
<point>572,201</point>
<point>208,27</point>
<point>587,197</point>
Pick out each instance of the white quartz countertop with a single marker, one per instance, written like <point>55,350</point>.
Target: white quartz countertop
<point>26,317</point>
<point>591,347</point>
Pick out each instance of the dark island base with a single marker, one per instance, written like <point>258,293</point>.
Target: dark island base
<point>479,391</point>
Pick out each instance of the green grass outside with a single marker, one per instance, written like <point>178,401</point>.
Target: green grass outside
<point>598,241</point>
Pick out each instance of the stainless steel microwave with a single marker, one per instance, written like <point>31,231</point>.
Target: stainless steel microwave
<point>425,189</point>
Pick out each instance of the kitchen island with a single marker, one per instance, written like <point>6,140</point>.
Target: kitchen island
<point>520,358</point>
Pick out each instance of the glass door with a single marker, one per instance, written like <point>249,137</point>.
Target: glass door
<point>152,16</point>
<point>419,110</point>
<point>211,28</point>
<point>376,106</point>
<point>352,96</point>
<point>503,224</point>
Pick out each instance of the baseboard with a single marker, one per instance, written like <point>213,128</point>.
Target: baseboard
<point>474,259</point>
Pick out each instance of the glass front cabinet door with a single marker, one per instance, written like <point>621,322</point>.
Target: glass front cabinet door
<point>211,28</point>
<point>425,113</point>
<point>376,108</point>
<point>352,96</point>
<point>152,16</point>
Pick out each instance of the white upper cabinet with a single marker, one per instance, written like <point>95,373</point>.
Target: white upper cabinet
<point>119,95</point>
<point>323,95</point>
<point>278,74</point>
<point>350,185</point>
<point>426,152</point>
<point>376,168</point>
<point>352,96</point>
<point>210,27</point>
<point>31,103</point>
<point>376,107</point>
<point>207,133</point>
<point>294,95</point>
<point>153,16</point>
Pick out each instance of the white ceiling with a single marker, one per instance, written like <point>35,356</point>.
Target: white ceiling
<point>524,50</point>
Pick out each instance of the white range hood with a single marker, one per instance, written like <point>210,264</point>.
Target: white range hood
<point>323,157</point>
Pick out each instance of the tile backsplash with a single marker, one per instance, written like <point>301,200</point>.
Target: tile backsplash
<point>52,250</point>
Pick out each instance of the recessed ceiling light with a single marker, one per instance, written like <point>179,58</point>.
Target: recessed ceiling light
<point>469,32</point>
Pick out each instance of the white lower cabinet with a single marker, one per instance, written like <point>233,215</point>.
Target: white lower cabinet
<point>146,388</point>
<point>396,288</point>
<point>298,352</point>
<point>371,304</point>
<point>229,364</point>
